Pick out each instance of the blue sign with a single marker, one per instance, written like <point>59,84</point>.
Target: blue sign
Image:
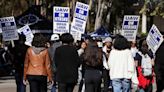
<point>61,20</point>
<point>9,28</point>
<point>154,38</point>
<point>80,18</point>
<point>130,27</point>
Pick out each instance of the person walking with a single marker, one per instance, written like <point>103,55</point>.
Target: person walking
<point>54,43</point>
<point>106,77</point>
<point>80,70</point>
<point>67,62</point>
<point>19,52</point>
<point>145,63</point>
<point>92,59</point>
<point>37,68</point>
<point>121,65</point>
<point>159,67</point>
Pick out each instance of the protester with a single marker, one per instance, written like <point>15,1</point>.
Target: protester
<point>54,43</point>
<point>19,52</point>
<point>67,62</point>
<point>134,48</point>
<point>145,61</point>
<point>82,48</point>
<point>121,65</point>
<point>159,67</point>
<point>92,62</point>
<point>80,70</point>
<point>106,49</point>
<point>37,65</point>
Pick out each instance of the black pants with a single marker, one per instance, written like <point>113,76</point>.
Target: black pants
<point>92,80</point>
<point>160,85</point>
<point>66,87</point>
<point>81,85</point>
<point>19,82</point>
<point>149,88</point>
<point>106,78</point>
<point>38,83</point>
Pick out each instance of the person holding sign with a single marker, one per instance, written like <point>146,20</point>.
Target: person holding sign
<point>19,52</point>
<point>145,62</point>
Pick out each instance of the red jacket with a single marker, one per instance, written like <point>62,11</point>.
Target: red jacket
<point>143,81</point>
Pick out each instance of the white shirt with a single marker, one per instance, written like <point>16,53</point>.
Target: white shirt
<point>104,49</point>
<point>134,50</point>
<point>121,64</point>
<point>104,58</point>
<point>80,51</point>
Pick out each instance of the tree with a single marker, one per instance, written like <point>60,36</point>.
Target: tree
<point>12,7</point>
<point>153,7</point>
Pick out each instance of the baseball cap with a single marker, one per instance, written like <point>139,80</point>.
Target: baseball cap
<point>54,37</point>
<point>108,39</point>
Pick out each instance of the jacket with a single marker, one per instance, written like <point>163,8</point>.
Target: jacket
<point>37,62</point>
<point>67,63</point>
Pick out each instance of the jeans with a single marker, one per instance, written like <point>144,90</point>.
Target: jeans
<point>38,83</point>
<point>106,78</point>
<point>19,82</point>
<point>121,85</point>
<point>53,89</point>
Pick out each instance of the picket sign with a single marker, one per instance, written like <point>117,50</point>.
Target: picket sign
<point>130,27</point>
<point>154,39</point>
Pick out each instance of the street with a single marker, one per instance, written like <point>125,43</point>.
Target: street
<point>7,84</point>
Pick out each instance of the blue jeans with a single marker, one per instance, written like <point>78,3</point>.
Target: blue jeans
<point>53,89</point>
<point>19,83</point>
<point>121,85</point>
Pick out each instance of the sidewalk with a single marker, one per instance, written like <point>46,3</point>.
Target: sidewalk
<point>7,84</point>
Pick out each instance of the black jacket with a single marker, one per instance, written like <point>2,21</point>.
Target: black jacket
<point>67,62</point>
<point>159,63</point>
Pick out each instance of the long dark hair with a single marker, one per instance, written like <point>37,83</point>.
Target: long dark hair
<point>93,54</point>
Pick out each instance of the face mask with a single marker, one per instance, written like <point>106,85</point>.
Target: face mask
<point>100,44</point>
<point>6,48</point>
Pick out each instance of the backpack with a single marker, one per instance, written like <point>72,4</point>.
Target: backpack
<point>146,65</point>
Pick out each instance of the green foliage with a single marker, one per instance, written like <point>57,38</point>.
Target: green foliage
<point>153,7</point>
<point>159,10</point>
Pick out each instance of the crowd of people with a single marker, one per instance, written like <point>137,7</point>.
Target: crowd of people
<point>95,65</point>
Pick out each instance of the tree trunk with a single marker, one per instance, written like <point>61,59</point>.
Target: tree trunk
<point>118,24</point>
<point>99,14</point>
<point>88,27</point>
<point>144,30</point>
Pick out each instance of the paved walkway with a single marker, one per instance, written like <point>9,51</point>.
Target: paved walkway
<point>7,84</point>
